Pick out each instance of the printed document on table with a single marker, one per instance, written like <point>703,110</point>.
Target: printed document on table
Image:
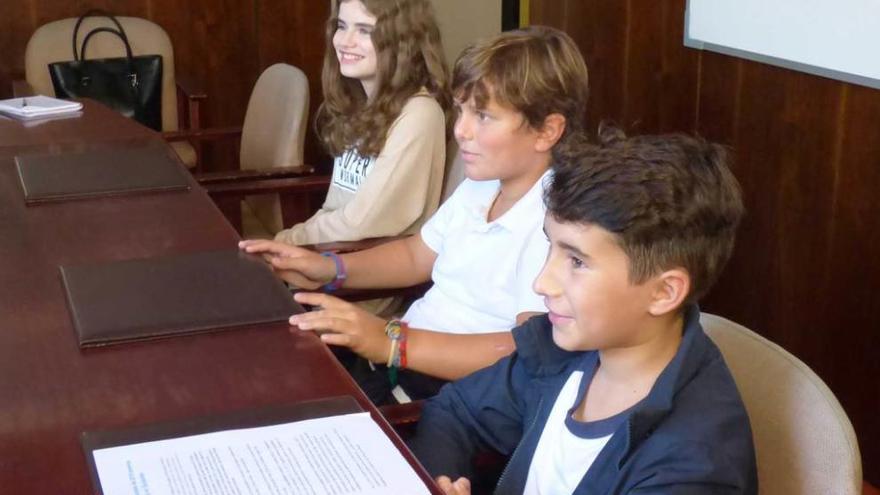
<point>346,454</point>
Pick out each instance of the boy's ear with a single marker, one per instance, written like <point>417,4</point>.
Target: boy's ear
<point>670,290</point>
<point>550,132</point>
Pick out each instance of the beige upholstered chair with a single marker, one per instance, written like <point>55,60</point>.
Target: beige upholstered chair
<point>270,157</point>
<point>52,43</point>
<point>804,442</point>
<point>273,136</point>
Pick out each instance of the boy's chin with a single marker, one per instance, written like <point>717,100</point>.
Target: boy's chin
<point>565,341</point>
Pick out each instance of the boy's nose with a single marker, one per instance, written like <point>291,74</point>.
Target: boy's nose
<point>462,129</point>
<point>545,283</point>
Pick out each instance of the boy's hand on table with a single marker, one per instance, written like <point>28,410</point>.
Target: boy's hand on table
<point>347,324</point>
<point>301,267</point>
<point>461,486</point>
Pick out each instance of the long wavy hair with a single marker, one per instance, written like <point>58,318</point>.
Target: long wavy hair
<point>409,56</point>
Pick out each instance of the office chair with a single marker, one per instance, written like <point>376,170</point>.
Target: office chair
<point>273,136</point>
<point>804,441</point>
<point>52,43</point>
<point>271,147</point>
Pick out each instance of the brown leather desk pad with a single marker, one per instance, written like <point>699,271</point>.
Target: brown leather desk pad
<point>108,171</point>
<point>179,294</point>
<point>272,415</point>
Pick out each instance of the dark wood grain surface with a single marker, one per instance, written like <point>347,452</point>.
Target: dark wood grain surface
<point>805,272</point>
<point>52,391</point>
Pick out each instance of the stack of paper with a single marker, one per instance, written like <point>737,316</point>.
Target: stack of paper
<point>336,455</point>
<point>37,107</point>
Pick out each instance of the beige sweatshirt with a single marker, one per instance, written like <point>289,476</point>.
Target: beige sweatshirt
<point>391,194</point>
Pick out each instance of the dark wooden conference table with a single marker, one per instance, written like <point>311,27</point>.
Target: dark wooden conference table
<point>51,390</point>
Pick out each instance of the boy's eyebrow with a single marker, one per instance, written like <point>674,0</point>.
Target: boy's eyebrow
<point>567,246</point>
<point>572,248</point>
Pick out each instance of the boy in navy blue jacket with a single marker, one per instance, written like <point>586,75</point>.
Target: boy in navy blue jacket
<point>617,389</point>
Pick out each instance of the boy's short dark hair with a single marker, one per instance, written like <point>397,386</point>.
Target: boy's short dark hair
<point>670,201</point>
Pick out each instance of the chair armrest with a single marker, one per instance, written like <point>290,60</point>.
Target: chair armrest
<point>289,185</point>
<point>350,246</point>
<point>189,113</point>
<point>244,176</point>
<point>403,414</point>
<point>188,89</point>
<point>203,134</point>
<point>20,88</point>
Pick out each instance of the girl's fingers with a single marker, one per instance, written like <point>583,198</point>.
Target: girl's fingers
<point>336,339</point>
<point>330,323</point>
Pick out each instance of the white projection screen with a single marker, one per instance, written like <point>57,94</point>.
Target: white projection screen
<point>839,39</point>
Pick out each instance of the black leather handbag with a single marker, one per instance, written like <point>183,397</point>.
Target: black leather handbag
<point>131,85</point>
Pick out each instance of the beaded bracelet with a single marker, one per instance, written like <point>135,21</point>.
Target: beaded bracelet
<point>396,330</point>
<point>341,274</point>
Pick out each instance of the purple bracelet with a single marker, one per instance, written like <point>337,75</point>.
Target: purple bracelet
<point>341,274</point>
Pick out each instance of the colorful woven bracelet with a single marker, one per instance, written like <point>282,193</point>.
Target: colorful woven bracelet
<point>403,334</point>
<point>396,331</point>
<point>341,274</point>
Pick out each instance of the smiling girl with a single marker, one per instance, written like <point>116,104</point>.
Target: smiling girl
<point>518,96</point>
<point>386,90</point>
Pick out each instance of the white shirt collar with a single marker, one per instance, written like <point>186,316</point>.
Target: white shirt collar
<point>521,214</point>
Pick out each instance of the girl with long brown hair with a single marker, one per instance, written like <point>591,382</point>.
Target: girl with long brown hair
<point>386,91</point>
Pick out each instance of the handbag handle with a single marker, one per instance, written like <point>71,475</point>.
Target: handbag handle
<point>105,30</point>
<point>98,13</point>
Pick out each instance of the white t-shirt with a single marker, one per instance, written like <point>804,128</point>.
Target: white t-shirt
<point>484,271</point>
<point>568,448</point>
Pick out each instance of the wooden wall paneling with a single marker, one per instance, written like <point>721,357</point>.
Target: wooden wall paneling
<point>16,26</point>
<point>661,79</point>
<point>852,297</point>
<point>217,48</point>
<point>786,132</point>
<point>293,33</point>
<point>547,13</point>
<point>719,85</point>
<point>599,29</point>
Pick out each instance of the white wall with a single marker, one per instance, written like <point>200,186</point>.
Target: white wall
<point>833,38</point>
<point>463,21</point>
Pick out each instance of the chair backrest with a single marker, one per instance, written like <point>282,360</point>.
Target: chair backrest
<point>274,131</point>
<point>275,124</point>
<point>804,441</point>
<point>52,43</point>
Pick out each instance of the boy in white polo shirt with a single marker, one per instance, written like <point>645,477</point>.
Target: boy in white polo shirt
<point>518,95</point>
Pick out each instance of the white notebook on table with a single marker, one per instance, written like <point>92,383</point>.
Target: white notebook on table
<point>35,107</point>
